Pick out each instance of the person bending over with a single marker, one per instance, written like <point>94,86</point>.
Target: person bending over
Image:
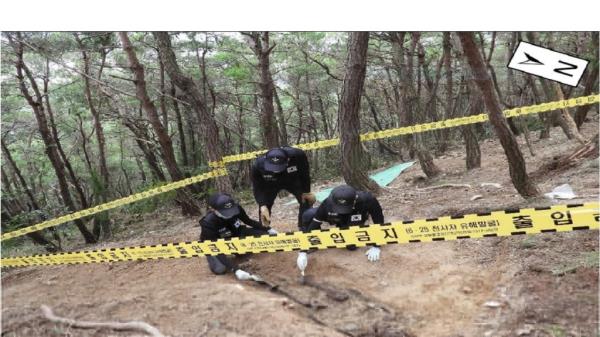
<point>281,168</point>
<point>227,219</point>
<point>344,207</point>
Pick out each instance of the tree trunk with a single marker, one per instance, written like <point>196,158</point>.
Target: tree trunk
<point>96,119</point>
<point>406,93</point>
<point>379,127</point>
<point>10,203</point>
<point>299,108</point>
<point>84,141</point>
<point>24,184</point>
<point>425,158</point>
<point>205,83</point>
<point>570,127</point>
<point>314,155</point>
<point>182,146</point>
<point>244,167</point>
<point>54,132</point>
<point>551,95</point>
<point>262,49</point>
<point>191,127</point>
<point>163,99</point>
<point>140,166</point>
<point>475,107</point>
<point>323,114</point>
<point>590,82</point>
<point>353,156</point>
<point>208,127</point>
<point>37,106</point>
<point>188,206</point>
<point>142,139</point>
<point>517,168</point>
<point>511,93</point>
<point>564,117</point>
<point>283,134</point>
<point>544,117</point>
<point>123,169</point>
<point>101,220</point>
<point>449,99</point>
<point>36,237</point>
<point>473,157</point>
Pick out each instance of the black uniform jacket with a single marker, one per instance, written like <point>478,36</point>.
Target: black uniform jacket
<point>365,205</point>
<point>214,227</point>
<point>295,179</point>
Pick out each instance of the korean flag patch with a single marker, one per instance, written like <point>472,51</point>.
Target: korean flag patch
<point>356,217</point>
<point>292,169</point>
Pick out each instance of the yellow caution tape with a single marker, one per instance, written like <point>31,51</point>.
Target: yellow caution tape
<point>115,203</point>
<point>406,130</point>
<point>560,218</point>
<point>220,170</point>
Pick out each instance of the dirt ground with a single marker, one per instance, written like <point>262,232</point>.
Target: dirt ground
<point>544,285</point>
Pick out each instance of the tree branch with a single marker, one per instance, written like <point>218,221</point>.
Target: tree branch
<point>41,51</point>
<point>322,65</point>
<point>127,326</point>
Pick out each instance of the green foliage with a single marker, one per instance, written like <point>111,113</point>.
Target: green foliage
<point>96,182</point>
<point>150,205</point>
<point>20,246</point>
<point>533,124</point>
<point>237,73</point>
<point>23,245</point>
<point>20,220</point>
<point>297,64</point>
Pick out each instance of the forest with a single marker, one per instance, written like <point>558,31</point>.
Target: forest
<point>91,117</point>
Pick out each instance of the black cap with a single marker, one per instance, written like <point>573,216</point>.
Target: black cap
<point>224,204</point>
<point>342,199</point>
<point>276,160</point>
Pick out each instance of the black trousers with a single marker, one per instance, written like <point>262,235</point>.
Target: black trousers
<point>221,263</point>
<point>270,196</point>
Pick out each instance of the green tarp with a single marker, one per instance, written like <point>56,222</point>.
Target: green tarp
<point>382,178</point>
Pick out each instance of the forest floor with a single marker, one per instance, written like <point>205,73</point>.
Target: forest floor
<point>542,285</point>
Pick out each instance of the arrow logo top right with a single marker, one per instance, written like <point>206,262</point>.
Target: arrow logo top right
<point>548,64</point>
<point>531,60</point>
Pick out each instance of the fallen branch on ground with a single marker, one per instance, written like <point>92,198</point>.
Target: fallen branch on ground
<point>496,185</point>
<point>564,162</point>
<point>444,186</point>
<point>127,326</point>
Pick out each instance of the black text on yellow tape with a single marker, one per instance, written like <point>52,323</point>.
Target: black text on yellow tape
<point>561,218</point>
<point>115,203</point>
<point>406,130</point>
<point>220,169</point>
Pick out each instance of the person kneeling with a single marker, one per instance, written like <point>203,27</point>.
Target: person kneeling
<point>227,219</point>
<point>344,207</point>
